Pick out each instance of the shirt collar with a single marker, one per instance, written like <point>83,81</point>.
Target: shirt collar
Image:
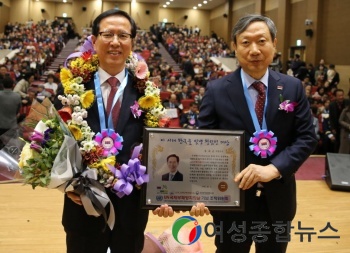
<point>250,80</point>
<point>104,75</point>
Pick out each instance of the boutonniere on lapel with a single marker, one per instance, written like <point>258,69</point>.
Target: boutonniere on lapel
<point>150,102</point>
<point>286,105</point>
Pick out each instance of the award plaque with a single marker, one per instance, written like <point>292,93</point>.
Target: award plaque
<point>187,166</point>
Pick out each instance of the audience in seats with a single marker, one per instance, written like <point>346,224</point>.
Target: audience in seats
<point>22,86</point>
<point>184,93</point>
<point>50,85</point>
<point>39,43</point>
<point>36,45</point>
<point>173,103</point>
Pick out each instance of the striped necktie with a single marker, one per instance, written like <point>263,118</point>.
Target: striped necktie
<point>260,102</point>
<point>113,82</point>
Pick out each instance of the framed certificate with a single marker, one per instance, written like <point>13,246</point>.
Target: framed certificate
<point>187,166</point>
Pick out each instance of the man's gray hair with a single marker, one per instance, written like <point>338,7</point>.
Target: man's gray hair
<point>245,21</point>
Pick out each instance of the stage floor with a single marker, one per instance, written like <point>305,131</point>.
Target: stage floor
<point>31,220</point>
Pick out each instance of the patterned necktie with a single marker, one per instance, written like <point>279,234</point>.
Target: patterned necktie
<point>171,177</point>
<point>113,82</point>
<point>260,102</point>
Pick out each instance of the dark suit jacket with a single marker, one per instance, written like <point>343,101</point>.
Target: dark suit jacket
<point>177,177</point>
<point>181,96</point>
<point>224,107</point>
<point>334,114</point>
<point>128,213</point>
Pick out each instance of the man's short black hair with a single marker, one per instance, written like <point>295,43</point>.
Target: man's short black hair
<point>113,12</point>
<point>173,155</point>
<point>7,82</point>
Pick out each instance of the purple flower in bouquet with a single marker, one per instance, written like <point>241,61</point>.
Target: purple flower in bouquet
<point>47,134</point>
<point>36,147</point>
<point>37,137</point>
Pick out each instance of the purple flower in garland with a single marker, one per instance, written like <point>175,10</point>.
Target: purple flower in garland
<point>135,110</point>
<point>110,142</point>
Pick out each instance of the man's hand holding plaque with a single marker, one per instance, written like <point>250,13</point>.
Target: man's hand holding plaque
<point>167,211</point>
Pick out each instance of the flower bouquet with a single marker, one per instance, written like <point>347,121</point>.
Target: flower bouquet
<point>65,153</point>
<point>9,154</point>
<point>51,158</point>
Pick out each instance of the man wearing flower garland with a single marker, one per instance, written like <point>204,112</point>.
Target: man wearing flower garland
<point>112,38</point>
<point>279,137</point>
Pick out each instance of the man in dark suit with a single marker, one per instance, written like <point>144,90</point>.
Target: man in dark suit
<point>10,105</point>
<point>184,94</point>
<point>172,103</point>
<point>173,175</point>
<point>335,109</point>
<point>187,67</point>
<point>190,119</point>
<point>88,234</point>
<point>268,182</point>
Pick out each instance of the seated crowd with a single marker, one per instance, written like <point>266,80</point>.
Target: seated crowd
<point>35,46</point>
<point>182,89</point>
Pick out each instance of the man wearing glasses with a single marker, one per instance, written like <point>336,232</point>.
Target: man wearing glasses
<point>112,37</point>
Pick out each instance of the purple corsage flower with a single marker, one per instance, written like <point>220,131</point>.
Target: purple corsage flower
<point>286,105</point>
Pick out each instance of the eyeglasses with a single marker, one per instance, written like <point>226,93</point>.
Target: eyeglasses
<point>109,36</point>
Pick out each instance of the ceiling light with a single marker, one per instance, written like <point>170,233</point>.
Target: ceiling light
<point>199,5</point>
<point>167,3</point>
<point>164,6</point>
<point>195,7</point>
<point>205,2</point>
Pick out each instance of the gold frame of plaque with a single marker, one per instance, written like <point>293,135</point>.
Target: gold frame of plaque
<point>206,162</point>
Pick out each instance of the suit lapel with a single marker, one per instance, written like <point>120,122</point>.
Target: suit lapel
<point>274,91</point>
<point>130,95</point>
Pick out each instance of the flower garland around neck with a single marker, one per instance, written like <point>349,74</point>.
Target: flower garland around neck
<point>76,100</point>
